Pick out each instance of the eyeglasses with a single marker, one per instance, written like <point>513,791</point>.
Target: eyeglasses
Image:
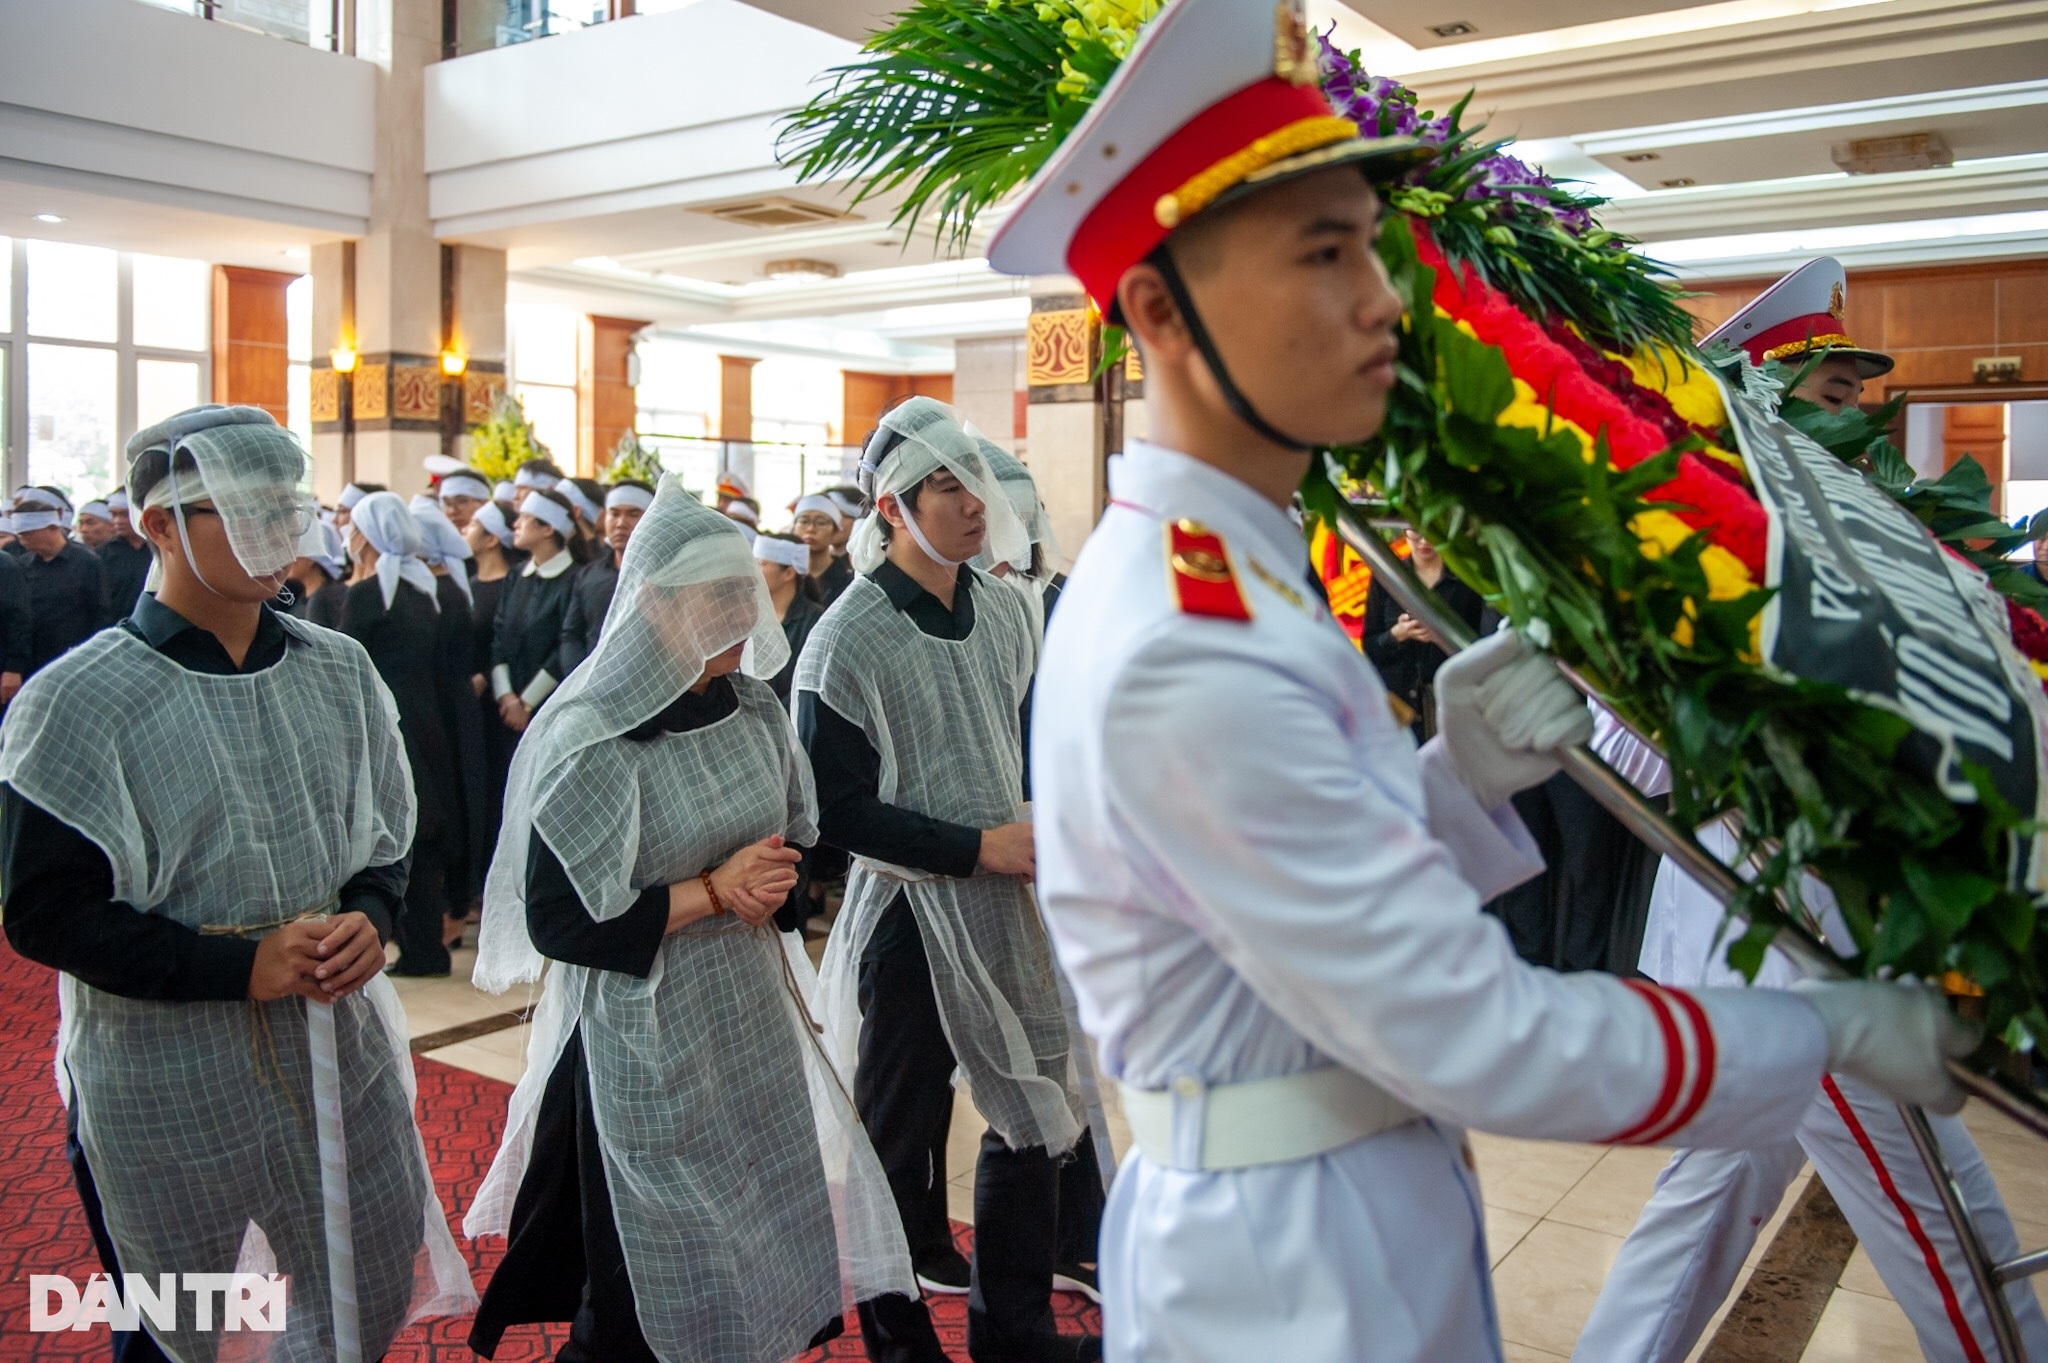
<point>814,520</point>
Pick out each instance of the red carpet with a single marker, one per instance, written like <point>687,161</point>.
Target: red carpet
<point>460,1114</point>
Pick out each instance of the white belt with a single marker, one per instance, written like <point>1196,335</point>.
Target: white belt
<point>1192,1125</point>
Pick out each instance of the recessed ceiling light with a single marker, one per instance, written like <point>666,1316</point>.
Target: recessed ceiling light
<point>1640,156</point>
<point>1460,29</point>
<point>1682,182</point>
<point>294,252</point>
<point>49,217</point>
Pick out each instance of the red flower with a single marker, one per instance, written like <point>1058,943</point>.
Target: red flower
<point>1571,386</point>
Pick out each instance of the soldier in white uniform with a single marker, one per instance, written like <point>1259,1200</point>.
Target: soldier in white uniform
<point>1266,898</point>
<point>1682,1259</point>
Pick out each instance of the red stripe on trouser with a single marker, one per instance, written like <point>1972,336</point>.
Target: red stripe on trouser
<point>1704,1057</point>
<point>1913,1226</point>
<point>1674,1063</point>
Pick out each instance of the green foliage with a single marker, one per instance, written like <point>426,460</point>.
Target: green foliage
<point>499,446</point>
<point>1543,533</point>
<point>631,459</point>
<point>956,103</point>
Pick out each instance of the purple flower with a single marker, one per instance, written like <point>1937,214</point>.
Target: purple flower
<point>1379,105</point>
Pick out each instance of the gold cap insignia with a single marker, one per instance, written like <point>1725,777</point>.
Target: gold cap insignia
<point>1836,303</point>
<point>1294,55</point>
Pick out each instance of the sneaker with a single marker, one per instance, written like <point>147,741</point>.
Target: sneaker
<point>1077,1278</point>
<point>947,1274</point>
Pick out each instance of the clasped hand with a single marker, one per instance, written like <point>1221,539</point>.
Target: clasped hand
<point>752,883</point>
<point>322,959</point>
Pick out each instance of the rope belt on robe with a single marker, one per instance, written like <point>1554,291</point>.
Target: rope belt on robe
<point>261,1039</point>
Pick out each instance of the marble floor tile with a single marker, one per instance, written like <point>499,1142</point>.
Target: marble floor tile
<point>1546,1287</point>
<point>1504,1230</point>
<point>1529,1176</point>
<point>1862,1329</point>
<point>471,1055</point>
<point>1614,1191</point>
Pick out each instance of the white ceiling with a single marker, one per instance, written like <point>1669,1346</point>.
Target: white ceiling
<point>155,229</point>
<point>1744,98</point>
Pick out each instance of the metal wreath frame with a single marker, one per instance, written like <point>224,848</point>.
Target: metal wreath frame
<point>1668,839</point>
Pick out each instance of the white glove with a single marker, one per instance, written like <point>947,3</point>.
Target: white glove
<point>1503,712</point>
<point>1894,1036</point>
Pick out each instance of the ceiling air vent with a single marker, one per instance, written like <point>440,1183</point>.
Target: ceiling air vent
<point>1881,155</point>
<point>774,213</point>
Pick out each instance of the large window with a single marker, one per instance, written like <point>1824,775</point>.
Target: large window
<point>94,345</point>
<point>543,369</point>
<point>678,398</point>
<point>798,405</point>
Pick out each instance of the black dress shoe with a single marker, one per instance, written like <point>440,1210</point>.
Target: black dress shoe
<point>947,1273</point>
<point>1077,1278</point>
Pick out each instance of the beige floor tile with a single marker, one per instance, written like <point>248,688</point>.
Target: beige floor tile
<point>468,1055</point>
<point>1860,1275</point>
<point>1614,1191</point>
<point>1522,1353</point>
<point>1857,1328</point>
<point>1529,1176</point>
<point>1504,1230</point>
<point>960,1200</point>
<point>1546,1287</point>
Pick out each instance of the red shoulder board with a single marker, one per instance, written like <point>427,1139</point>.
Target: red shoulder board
<point>1199,575</point>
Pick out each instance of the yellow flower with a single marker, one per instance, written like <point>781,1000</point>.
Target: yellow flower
<point>1684,383</point>
<point>1728,579</point>
<point>1528,410</point>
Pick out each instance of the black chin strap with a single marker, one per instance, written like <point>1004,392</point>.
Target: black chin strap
<point>1162,260</point>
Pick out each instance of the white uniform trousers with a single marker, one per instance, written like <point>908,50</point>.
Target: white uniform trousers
<point>1685,1253</point>
<point>1376,1251</point>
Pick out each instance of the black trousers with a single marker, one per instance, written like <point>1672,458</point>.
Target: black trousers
<point>903,1091</point>
<point>130,1346</point>
<point>418,930</point>
<point>1586,911</point>
<point>563,1260</point>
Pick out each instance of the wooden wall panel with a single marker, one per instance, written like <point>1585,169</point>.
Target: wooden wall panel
<point>868,396</point>
<point>1934,320</point>
<point>606,405</point>
<point>735,397</point>
<point>251,357</point>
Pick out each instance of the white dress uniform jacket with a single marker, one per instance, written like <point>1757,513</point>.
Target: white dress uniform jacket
<point>1250,872</point>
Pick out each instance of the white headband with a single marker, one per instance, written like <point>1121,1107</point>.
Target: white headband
<point>99,510</point>
<point>744,514</point>
<point>849,505</point>
<point>529,476</point>
<point>350,495</point>
<point>465,485</point>
<point>625,494</point>
<point>788,553</point>
<point>36,520</point>
<point>117,500</point>
<point>820,503</point>
<point>550,513</point>
<point>579,499</point>
<point>507,493</point>
<point>492,518</point>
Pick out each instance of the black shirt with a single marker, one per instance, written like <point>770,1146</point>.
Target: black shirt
<point>836,578</point>
<point>126,567</point>
<point>798,621</point>
<point>561,928</point>
<point>59,886</point>
<point>590,596</point>
<point>67,603</point>
<point>17,638</point>
<point>527,633</point>
<point>1408,666</point>
<point>848,773</point>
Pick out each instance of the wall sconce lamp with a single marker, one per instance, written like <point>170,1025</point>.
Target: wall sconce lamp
<point>343,358</point>
<point>452,363</point>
